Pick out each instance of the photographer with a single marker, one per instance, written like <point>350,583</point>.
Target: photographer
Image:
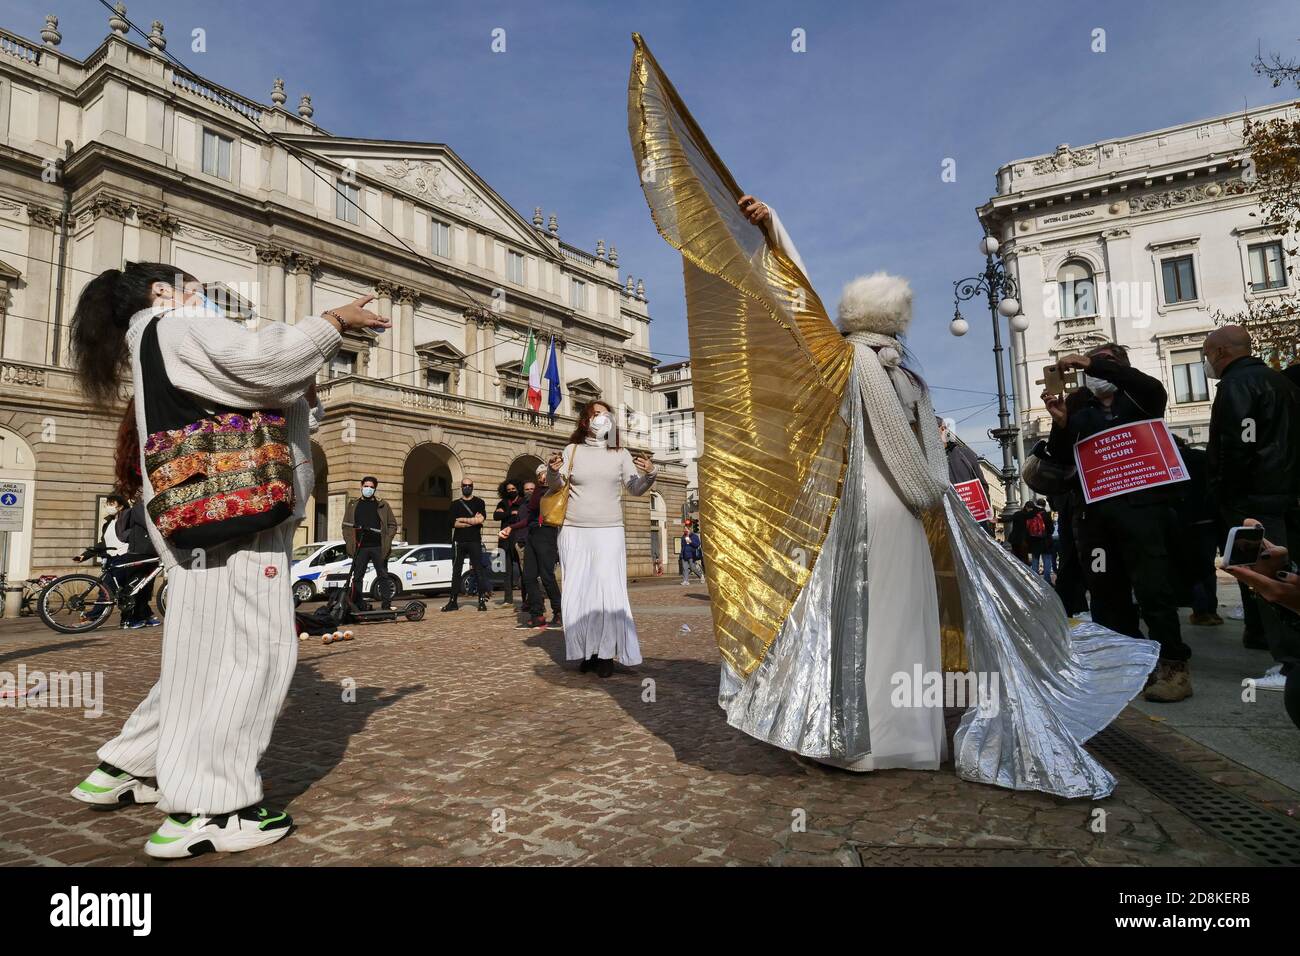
<point>1124,540</point>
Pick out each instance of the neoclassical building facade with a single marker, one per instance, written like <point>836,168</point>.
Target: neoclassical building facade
<point>1138,240</point>
<point>124,156</point>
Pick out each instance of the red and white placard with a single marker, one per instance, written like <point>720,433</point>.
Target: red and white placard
<point>1128,458</point>
<point>976,501</point>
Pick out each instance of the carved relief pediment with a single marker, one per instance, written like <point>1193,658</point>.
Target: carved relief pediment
<point>440,351</point>
<point>1078,342</point>
<point>434,181</point>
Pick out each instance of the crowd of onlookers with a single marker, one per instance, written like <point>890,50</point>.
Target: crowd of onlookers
<point>1137,558</point>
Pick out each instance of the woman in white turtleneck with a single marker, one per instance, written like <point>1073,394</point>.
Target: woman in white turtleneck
<point>598,624</point>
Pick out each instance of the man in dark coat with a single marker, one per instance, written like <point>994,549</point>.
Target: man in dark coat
<point>1253,456</point>
<point>1124,541</point>
<point>368,531</point>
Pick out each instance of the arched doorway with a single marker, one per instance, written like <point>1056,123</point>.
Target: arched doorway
<point>429,476</point>
<point>18,467</point>
<point>523,468</point>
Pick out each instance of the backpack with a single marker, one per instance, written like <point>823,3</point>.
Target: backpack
<point>1036,527</point>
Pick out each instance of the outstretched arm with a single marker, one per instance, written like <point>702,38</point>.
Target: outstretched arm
<point>761,214</point>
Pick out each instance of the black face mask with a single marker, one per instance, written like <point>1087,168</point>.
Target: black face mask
<point>467,490</point>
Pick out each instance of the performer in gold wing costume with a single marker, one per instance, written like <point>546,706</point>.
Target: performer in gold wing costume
<point>821,471</point>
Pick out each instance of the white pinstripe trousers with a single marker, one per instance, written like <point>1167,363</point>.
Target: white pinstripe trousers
<point>228,655</point>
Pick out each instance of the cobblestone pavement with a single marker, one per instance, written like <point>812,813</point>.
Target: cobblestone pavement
<point>472,743</point>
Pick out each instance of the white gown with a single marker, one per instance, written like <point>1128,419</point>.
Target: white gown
<point>902,631</point>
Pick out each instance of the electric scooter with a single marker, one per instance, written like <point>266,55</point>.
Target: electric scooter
<point>342,609</point>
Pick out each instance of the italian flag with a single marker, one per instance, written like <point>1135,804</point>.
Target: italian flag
<point>533,363</point>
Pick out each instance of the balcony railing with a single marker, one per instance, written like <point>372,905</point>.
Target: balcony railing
<point>358,388</point>
<point>16,46</point>
<point>576,254</point>
<point>217,94</point>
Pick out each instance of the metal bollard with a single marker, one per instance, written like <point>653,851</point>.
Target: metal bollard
<point>13,600</point>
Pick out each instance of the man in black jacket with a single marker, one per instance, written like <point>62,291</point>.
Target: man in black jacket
<point>507,512</point>
<point>467,516</point>
<point>1125,542</point>
<point>1253,468</point>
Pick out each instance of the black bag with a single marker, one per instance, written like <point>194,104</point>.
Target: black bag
<point>1044,474</point>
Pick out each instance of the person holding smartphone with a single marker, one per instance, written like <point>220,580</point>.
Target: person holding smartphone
<point>1124,541</point>
<point>1272,577</point>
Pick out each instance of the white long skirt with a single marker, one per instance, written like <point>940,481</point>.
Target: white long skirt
<point>597,614</point>
<point>902,630</point>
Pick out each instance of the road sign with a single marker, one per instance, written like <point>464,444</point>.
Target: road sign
<point>13,499</point>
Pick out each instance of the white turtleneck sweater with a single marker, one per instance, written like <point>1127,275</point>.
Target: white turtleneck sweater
<point>595,477</point>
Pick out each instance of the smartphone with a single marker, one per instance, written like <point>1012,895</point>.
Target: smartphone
<point>1061,382</point>
<point>1243,546</point>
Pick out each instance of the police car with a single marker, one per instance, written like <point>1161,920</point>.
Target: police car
<point>311,562</point>
<point>423,567</point>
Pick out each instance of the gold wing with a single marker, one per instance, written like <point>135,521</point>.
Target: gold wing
<point>769,371</point>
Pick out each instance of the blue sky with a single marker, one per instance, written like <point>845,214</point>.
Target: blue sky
<point>846,140</point>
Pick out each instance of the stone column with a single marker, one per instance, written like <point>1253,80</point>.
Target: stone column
<point>34,340</point>
<point>472,376</point>
<point>488,357</point>
<point>271,261</point>
<point>404,342</point>
<point>156,226</point>
<point>384,365</point>
<point>109,215</point>
<point>304,270</point>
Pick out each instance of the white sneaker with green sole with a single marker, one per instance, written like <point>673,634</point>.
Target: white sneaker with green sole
<point>108,788</point>
<point>182,835</point>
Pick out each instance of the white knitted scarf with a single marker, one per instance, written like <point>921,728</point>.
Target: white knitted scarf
<point>897,410</point>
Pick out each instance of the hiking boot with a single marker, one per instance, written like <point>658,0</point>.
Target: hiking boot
<point>1204,619</point>
<point>1173,683</point>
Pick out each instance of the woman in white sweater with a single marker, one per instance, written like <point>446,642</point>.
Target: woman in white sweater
<point>228,649</point>
<point>598,624</point>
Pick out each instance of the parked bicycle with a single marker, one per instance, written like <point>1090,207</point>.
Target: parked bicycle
<point>76,603</point>
<point>31,591</point>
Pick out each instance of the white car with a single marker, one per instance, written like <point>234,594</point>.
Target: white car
<point>423,568</point>
<point>311,562</point>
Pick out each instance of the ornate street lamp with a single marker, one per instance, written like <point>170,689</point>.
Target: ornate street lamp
<point>997,285</point>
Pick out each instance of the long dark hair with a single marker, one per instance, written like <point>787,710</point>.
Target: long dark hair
<point>583,430</point>
<point>101,355</point>
<point>104,310</point>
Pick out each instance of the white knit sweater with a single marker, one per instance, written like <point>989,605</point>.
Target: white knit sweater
<point>595,478</point>
<point>221,362</point>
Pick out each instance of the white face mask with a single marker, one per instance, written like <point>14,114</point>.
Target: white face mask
<point>600,426</point>
<point>1099,386</point>
<point>1210,373</point>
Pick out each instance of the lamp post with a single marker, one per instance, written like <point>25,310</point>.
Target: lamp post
<point>997,285</point>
